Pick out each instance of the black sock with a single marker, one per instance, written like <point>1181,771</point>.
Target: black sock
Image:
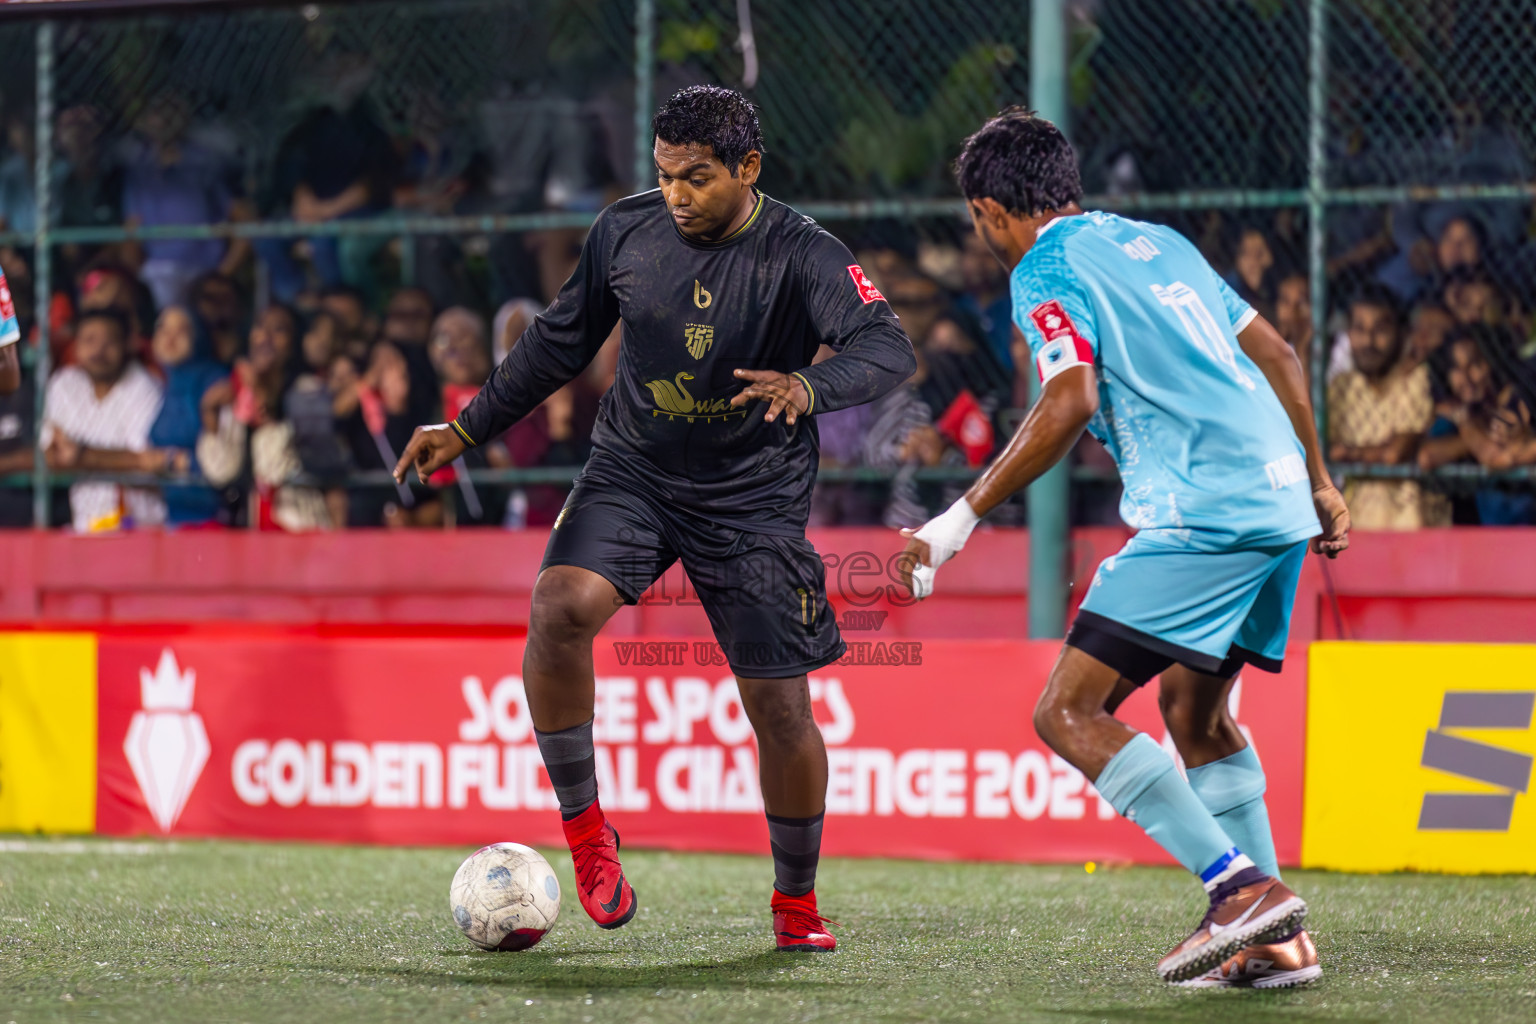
<point>572,767</point>
<point>796,846</point>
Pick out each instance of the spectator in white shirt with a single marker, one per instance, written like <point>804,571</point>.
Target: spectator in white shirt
<point>99,414</point>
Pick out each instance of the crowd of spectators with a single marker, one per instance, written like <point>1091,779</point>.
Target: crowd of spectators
<point>215,416</point>
<point>204,413</point>
<point>1430,360</point>
<point>209,382</point>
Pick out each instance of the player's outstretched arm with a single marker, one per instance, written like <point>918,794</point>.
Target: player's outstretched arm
<point>1047,434</point>
<point>1282,369</point>
<point>556,347</point>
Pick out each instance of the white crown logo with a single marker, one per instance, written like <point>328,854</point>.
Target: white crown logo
<point>169,689</point>
<point>167,744</point>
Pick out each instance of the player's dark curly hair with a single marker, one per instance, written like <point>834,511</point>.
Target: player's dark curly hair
<point>711,115</point>
<point>1021,160</point>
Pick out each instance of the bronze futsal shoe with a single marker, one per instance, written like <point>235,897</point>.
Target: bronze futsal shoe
<point>1284,963</point>
<point>1252,914</point>
<point>798,927</point>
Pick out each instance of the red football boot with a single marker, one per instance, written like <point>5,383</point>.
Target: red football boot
<point>797,927</point>
<point>605,893</point>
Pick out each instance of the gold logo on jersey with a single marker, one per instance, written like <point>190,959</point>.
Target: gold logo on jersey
<point>673,400</point>
<point>699,337</point>
<point>701,296</point>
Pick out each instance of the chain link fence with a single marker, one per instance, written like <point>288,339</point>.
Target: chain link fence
<point>862,99</point>
<point>1325,155</point>
<point>1429,138</point>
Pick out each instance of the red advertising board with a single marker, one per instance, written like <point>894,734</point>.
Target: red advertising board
<point>427,741</point>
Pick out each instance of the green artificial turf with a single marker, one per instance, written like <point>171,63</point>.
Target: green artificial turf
<point>265,932</point>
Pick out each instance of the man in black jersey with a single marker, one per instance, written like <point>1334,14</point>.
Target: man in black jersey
<point>725,296</point>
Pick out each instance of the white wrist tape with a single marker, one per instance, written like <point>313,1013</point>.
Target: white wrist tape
<point>945,534</point>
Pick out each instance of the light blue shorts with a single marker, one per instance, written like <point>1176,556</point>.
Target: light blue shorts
<point>1197,607</point>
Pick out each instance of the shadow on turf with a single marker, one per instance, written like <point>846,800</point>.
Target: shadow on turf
<point>559,973</point>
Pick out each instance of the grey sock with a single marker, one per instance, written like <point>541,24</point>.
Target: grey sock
<point>796,846</point>
<point>572,767</point>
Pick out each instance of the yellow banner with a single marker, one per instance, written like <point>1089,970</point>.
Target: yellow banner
<point>47,732</point>
<point>1419,757</point>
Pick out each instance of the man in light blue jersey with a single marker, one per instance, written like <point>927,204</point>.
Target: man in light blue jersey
<point>1202,404</point>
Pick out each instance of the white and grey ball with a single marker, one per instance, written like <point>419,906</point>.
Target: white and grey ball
<point>505,897</point>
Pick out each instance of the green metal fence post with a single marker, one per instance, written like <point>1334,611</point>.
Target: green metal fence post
<point>1047,498</point>
<point>42,264</point>
<point>645,87</point>
<point>1317,184</point>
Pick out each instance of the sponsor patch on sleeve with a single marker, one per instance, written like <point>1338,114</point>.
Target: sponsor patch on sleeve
<point>1064,347</point>
<point>867,290</point>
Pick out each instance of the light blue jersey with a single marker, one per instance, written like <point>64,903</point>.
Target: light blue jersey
<point>1207,454</point>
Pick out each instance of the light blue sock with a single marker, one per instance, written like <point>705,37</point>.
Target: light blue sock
<point>1232,789</point>
<point>1141,783</point>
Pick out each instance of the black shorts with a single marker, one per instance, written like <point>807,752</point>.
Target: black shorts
<point>765,595</point>
<point>1139,656</point>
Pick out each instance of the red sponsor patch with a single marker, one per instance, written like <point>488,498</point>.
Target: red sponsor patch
<point>1064,346</point>
<point>1053,322</point>
<point>7,307</point>
<point>867,290</point>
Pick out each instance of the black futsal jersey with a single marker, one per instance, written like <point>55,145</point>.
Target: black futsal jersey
<point>693,312</point>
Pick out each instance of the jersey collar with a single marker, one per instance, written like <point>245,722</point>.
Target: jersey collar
<point>734,236</point>
<point>1048,225</point>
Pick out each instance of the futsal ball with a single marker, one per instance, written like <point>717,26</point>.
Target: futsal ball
<point>504,897</point>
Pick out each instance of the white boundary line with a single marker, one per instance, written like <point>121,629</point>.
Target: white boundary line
<point>74,846</point>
